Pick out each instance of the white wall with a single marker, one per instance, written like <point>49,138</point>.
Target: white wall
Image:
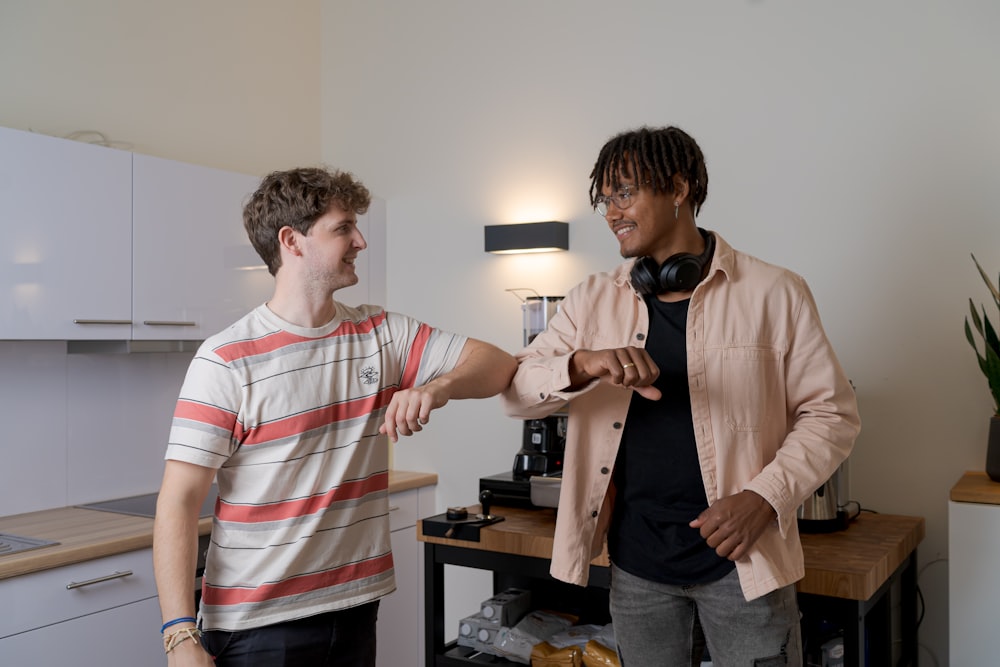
<point>231,84</point>
<point>855,142</point>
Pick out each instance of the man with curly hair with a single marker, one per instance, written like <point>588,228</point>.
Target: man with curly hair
<point>290,408</point>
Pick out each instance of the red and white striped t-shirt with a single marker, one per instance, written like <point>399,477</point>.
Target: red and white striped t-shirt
<point>289,417</point>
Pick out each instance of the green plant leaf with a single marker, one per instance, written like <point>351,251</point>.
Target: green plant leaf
<point>989,359</point>
<point>991,368</point>
<point>990,336</point>
<point>978,323</point>
<point>968,335</point>
<point>989,283</point>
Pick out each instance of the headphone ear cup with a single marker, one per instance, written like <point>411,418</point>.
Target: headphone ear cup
<point>645,276</point>
<point>681,273</point>
<point>678,273</point>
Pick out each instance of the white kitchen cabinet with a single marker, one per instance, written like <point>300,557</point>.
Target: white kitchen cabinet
<point>66,225</point>
<point>401,614</point>
<point>126,635</point>
<point>103,611</point>
<point>103,244</point>
<point>973,585</point>
<point>194,271</point>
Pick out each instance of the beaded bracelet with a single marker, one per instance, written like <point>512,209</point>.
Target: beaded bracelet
<point>182,619</point>
<point>174,639</point>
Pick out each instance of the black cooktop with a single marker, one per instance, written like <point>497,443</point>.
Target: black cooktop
<point>145,505</point>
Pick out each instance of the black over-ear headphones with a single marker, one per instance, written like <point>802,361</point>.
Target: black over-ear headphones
<point>678,273</point>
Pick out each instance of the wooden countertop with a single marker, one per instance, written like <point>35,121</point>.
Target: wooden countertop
<point>975,487</point>
<point>854,563</point>
<point>850,564</point>
<point>85,534</point>
<point>402,480</point>
<point>523,531</point>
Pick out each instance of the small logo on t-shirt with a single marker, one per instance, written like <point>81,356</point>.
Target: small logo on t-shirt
<point>368,375</point>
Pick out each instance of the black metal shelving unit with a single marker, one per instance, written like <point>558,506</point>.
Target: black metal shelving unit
<point>867,625</point>
<point>589,603</point>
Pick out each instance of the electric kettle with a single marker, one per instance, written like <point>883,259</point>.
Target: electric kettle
<point>823,511</point>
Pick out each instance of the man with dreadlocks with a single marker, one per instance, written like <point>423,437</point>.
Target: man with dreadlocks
<point>705,404</point>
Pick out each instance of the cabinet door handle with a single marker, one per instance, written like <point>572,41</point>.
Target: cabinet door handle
<point>108,577</point>
<point>102,321</point>
<point>393,508</point>
<point>168,323</point>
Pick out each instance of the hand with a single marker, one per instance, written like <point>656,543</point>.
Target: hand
<point>732,525</point>
<point>189,654</point>
<point>410,409</point>
<point>625,367</point>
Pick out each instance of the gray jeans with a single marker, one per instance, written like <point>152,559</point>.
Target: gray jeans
<point>657,624</point>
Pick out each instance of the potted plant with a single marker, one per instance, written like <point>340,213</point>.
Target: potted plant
<point>989,363</point>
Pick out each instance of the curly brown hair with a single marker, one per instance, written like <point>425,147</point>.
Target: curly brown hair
<point>297,198</point>
<point>652,155</point>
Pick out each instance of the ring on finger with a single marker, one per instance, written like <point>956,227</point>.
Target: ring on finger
<point>624,366</point>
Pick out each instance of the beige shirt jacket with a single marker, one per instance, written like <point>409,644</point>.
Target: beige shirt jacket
<point>773,410</point>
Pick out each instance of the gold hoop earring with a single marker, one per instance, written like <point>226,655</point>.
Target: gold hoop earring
<point>677,211</point>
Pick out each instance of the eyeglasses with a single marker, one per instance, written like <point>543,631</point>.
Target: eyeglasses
<point>622,199</point>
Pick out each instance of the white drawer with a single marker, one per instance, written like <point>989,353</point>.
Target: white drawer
<point>120,636</point>
<point>42,598</point>
<point>403,509</point>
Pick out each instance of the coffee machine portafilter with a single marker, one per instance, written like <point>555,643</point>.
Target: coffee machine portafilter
<point>542,447</point>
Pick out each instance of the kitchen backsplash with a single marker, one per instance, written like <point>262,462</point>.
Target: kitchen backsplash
<point>84,427</point>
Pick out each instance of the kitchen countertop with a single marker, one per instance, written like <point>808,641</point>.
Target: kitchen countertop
<point>849,564</point>
<point>85,534</point>
<point>976,487</point>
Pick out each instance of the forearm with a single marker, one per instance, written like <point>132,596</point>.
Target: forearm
<point>175,536</point>
<point>175,554</point>
<point>175,544</point>
<point>482,370</point>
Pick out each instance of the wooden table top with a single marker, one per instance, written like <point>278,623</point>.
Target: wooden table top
<point>849,564</point>
<point>976,487</point>
<point>854,563</point>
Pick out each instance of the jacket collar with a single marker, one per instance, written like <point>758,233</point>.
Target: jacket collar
<point>723,261</point>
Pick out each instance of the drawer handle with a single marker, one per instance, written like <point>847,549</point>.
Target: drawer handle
<point>102,321</point>
<point>393,508</point>
<point>108,577</point>
<point>168,323</point>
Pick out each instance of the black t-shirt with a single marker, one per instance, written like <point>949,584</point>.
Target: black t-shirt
<point>657,475</point>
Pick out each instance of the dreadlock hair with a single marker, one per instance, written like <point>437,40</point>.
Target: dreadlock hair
<point>652,155</point>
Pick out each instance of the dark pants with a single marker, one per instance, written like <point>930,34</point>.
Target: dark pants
<point>344,638</point>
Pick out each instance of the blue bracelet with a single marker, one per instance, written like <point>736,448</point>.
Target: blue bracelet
<point>182,619</point>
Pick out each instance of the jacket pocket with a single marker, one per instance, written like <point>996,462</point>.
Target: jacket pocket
<point>752,385</point>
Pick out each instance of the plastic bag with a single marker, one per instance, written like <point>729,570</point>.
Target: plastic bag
<point>516,643</point>
<point>577,635</point>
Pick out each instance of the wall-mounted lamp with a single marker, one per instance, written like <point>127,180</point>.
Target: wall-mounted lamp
<point>527,237</point>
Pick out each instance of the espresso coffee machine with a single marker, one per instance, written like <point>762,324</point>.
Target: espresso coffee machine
<point>543,441</point>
